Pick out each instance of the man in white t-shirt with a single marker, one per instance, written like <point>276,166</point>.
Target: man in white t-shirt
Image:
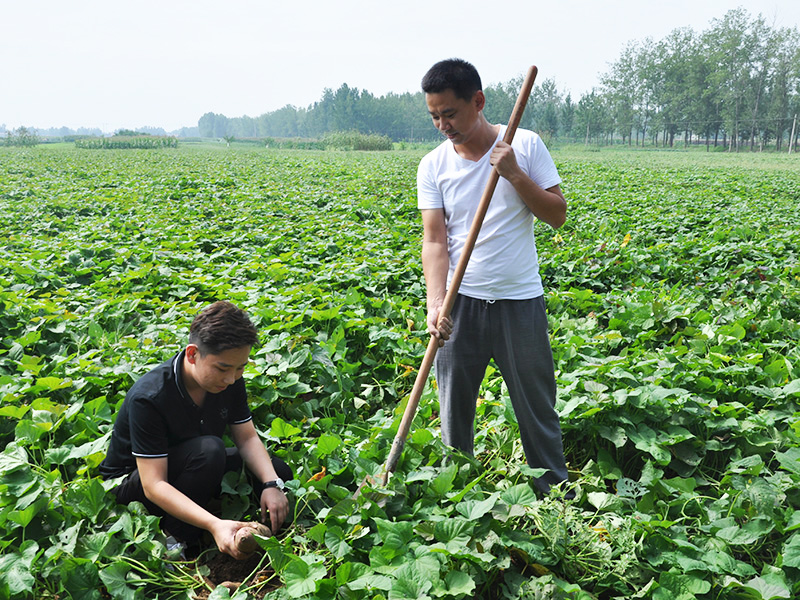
<point>499,312</point>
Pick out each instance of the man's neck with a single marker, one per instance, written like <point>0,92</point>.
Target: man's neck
<point>196,393</point>
<point>480,143</point>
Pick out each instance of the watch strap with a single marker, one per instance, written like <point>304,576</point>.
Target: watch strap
<point>275,483</point>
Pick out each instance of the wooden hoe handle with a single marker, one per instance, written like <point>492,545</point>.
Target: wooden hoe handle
<point>455,282</point>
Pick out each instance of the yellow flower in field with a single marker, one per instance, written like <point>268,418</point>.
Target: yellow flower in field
<point>407,370</point>
<point>601,531</point>
<point>320,475</point>
<point>625,240</point>
<point>557,239</point>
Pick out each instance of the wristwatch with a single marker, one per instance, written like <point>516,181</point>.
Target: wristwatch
<point>275,483</point>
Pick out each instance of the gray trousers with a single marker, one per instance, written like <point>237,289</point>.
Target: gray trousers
<point>514,334</point>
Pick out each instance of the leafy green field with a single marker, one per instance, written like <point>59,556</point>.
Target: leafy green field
<point>674,300</point>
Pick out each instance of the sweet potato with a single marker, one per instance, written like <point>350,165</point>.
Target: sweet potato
<point>245,542</point>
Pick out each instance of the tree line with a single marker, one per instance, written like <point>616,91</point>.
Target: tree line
<point>733,85</point>
<point>22,136</point>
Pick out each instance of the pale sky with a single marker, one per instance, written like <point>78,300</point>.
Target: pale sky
<point>117,64</point>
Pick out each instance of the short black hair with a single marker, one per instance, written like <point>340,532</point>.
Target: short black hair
<point>222,326</point>
<point>452,74</point>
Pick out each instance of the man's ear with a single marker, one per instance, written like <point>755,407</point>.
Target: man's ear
<point>479,99</point>
<point>192,352</point>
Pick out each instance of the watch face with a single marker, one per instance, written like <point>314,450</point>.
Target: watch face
<point>279,483</point>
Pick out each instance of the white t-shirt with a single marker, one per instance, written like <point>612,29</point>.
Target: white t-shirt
<point>504,264</point>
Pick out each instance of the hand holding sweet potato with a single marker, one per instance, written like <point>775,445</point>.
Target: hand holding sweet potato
<point>245,542</point>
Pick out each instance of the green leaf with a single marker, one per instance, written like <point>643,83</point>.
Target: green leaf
<point>686,485</point>
<point>52,383</point>
<point>722,562</point>
<point>81,579</point>
<point>220,593</point>
<point>422,437</point>
<point>790,460</point>
<point>534,473</point>
<point>282,430</point>
<point>424,474</point>
<point>443,482</point>
<point>279,554</point>
<point>454,529</point>
<point>68,537</point>
<point>24,516</point>
<point>95,330</point>
<point>29,432</point>
<point>114,578</point>
<point>594,387</point>
<point>29,338</point>
<point>88,497</point>
<point>409,584</point>
<point>614,434</point>
<point>533,547</point>
<point>16,568</point>
<point>747,534</point>
<point>646,440</point>
<point>678,586</point>
<point>358,576</point>
<point>335,542</point>
<point>520,494</point>
<point>793,522</point>
<point>326,444</point>
<point>628,488</point>
<point>769,587</point>
<point>14,412</point>
<point>395,536</point>
<point>459,584</point>
<point>604,501</point>
<point>791,551</point>
<point>476,509</point>
<point>93,545</point>
<point>301,574</point>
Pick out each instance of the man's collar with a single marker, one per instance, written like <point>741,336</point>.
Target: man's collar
<point>177,369</point>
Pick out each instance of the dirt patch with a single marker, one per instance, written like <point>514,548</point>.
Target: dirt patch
<point>224,569</point>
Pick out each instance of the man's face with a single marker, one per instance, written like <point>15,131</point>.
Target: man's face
<point>455,117</point>
<point>215,372</point>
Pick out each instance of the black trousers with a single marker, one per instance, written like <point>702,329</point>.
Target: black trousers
<point>514,334</point>
<point>196,468</point>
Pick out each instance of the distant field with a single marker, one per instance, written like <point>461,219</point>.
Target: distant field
<point>674,299</point>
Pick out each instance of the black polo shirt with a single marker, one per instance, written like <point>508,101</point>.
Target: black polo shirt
<point>158,413</point>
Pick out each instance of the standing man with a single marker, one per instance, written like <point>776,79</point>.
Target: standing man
<point>499,312</point>
<point>167,438</point>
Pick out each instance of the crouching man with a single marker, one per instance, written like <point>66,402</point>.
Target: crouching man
<point>167,439</point>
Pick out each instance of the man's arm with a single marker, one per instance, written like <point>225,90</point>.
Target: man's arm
<point>547,205</point>
<point>257,459</point>
<point>153,475</point>
<point>435,266</point>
